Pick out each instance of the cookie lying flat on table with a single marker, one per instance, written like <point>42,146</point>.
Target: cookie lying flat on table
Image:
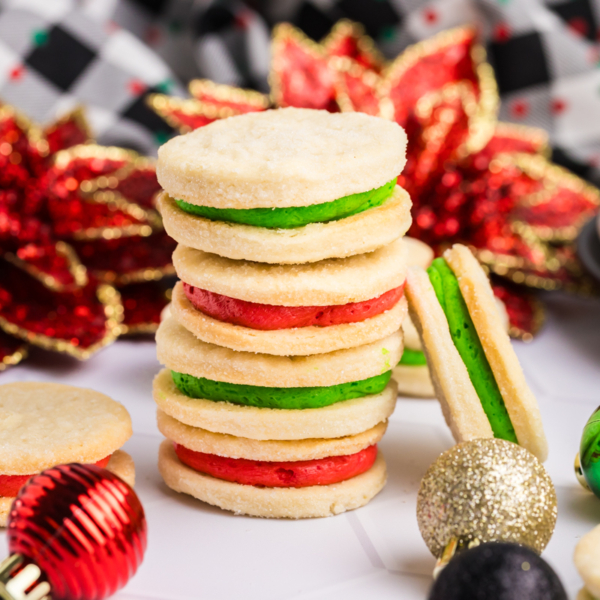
<point>476,374</point>
<point>46,424</point>
<point>289,310</point>
<point>286,186</point>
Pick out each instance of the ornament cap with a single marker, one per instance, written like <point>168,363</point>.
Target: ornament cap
<point>17,579</point>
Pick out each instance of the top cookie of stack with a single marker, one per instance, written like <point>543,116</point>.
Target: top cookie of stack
<point>289,186</point>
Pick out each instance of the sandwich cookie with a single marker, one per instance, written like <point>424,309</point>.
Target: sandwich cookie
<point>412,372</point>
<point>291,310</point>
<point>286,186</point>
<point>210,384</point>
<point>340,419</point>
<point>46,424</point>
<point>276,479</point>
<point>475,371</point>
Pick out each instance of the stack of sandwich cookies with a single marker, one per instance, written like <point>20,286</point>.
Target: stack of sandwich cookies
<point>282,332</point>
<point>287,186</point>
<point>267,400</point>
<point>46,424</point>
<point>475,371</point>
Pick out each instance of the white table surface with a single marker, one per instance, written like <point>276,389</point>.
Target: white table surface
<point>197,551</point>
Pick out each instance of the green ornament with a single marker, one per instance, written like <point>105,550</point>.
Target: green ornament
<point>589,452</point>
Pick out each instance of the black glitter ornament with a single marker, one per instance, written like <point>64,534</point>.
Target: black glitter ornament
<point>497,571</point>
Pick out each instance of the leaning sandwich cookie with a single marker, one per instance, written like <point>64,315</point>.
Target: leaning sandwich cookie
<point>46,424</point>
<point>412,373</point>
<point>290,310</point>
<point>476,374</point>
<point>276,479</point>
<point>286,186</point>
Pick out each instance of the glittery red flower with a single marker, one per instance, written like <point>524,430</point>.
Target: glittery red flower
<point>75,218</point>
<point>472,180</point>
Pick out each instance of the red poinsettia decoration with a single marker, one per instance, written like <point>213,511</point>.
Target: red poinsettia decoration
<point>472,179</point>
<point>82,249</point>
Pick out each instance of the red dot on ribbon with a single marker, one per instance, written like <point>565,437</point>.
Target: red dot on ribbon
<point>519,109</point>
<point>17,72</point>
<point>558,106</point>
<point>430,16</point>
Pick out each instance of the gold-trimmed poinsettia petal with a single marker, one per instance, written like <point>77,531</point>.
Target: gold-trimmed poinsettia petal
<point>55,265</point>
<point>135,182</point>
<point>143,303</point>
<point>25,140</point>
<point>439,132</point>
<point>12,350</point>
<point>128,260</point>
<point>560,208</point>
<point>70,130</point>
<point>512,137</point>
<point>221,95</point>
<point>186,114</point>
<point>348,39</point>
<point>356,88</point>
<point>428,66</point>
<point>78,323</point>
<point>300,74</point>
<point>104,214</point>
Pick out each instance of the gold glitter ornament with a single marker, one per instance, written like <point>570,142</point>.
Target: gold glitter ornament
<point>486,490</point>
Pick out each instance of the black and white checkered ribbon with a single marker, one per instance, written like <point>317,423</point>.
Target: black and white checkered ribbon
<point>109,54</point>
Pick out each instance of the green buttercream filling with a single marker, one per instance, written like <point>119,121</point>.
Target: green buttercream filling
<point>277,397</point>
<point>413,358</point>
<point>295,216</point>
<point>469,347</point>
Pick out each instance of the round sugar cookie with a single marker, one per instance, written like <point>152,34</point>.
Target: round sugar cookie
<point>120,463</point>
<point>413,380</point>
<point>337,420</point>
<point>202,440</point>
<point>281,158</point>
<point>329,282</point>
<point>180,350</point>
<point>358,234</point>
<point>276,503</point>
<point>298,341</point>
<point>46,424</point>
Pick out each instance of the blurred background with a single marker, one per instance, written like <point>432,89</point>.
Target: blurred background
<point>500,98</point>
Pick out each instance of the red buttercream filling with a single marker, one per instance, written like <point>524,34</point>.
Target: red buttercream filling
<point>304,473</point>
<point>270,317</point>
<point>11,484</point>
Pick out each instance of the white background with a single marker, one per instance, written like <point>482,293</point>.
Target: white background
<point>196,551</point>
